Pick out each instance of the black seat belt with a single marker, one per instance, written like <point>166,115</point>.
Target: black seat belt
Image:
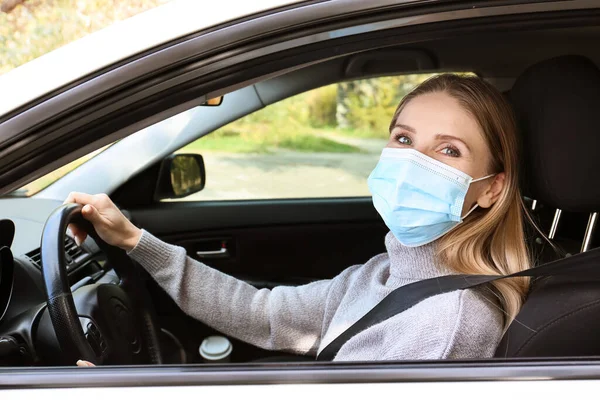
<point>409,295</point>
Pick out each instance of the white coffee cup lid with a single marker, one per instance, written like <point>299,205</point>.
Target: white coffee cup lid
<point>215,348</point>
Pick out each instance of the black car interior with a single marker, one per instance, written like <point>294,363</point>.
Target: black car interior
<point>293,242</point>
<point>554,102</point>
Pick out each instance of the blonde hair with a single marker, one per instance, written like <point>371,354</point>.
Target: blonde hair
<point>490,241</point>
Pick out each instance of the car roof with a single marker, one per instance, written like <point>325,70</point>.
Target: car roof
<point>106,47</point>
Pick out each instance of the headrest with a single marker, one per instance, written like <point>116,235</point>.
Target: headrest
<point>557,105</point>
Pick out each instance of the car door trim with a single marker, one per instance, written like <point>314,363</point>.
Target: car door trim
<point>301,373</point>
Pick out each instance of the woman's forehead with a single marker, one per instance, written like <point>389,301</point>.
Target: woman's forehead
<point>435,113</point>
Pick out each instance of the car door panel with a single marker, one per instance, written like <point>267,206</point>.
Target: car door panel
<point>273,242</point>
<point>204,215</point>
<point>290,253</point>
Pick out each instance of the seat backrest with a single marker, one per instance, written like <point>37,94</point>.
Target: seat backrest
<point>556,103</point>
<point>560,318</point>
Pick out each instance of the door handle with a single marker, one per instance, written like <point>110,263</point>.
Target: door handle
<point>213,248</point>
<point>221,253</point>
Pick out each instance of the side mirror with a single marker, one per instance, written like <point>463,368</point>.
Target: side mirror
<point>180,175</point>
<point>214,101</point>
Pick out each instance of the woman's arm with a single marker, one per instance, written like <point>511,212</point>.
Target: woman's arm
<point>285,318</point>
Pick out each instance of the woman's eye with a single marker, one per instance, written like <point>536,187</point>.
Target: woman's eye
<point>404,140</point>
<point>451,151</point>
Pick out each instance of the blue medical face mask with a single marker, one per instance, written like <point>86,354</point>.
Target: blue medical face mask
<point>419,198</point>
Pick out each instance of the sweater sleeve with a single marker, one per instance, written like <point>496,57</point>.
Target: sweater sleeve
<point>284,318</point>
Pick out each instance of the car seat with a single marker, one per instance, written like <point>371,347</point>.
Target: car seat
<point>556,103</point>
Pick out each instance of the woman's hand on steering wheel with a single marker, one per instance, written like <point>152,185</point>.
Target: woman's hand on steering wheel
<point>110,223</point>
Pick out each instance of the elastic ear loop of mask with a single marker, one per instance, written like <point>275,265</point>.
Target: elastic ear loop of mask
<point>476,205</point>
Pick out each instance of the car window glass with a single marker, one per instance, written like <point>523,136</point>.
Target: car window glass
<point>44,181</point>
<point>321,143</point>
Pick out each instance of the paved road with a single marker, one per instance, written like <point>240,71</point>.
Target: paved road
<point>289,174</point>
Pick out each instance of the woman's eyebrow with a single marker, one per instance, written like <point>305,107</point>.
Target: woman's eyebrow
<point>441,136</point>
<point>406,127</point>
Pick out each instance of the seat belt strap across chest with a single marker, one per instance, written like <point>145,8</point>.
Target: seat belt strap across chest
<point>405,297</point>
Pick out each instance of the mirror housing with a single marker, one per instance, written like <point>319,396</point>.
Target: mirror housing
<point>216,101</point>
<point>179,176</point>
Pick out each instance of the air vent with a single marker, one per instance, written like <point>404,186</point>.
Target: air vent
<point>73,253</point>
<point>36,258</point>
<point>71,248</point>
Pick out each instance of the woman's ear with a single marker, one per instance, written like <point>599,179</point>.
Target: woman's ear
<point>491,194</point>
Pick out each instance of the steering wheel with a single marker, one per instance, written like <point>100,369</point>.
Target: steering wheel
<point>112,323</point>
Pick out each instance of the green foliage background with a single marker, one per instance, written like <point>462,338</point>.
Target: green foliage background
<point>36,27</point>
<point>317,120</point>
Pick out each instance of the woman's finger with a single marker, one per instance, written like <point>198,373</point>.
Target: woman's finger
<point>91,213</point>
<point>81,198</point>
<point>81,363</point>
<point>84,199</point>
<point>78,234</point>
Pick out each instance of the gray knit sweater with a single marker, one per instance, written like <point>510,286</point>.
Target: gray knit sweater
<point>304,319</point>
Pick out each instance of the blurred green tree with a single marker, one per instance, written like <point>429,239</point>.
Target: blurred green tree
<point>31,28</point>
<point>367,105</point>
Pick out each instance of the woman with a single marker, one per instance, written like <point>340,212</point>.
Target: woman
<point>447,187</point>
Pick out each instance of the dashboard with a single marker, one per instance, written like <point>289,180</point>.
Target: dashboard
<point>26,334</point>
<point>29,216</point>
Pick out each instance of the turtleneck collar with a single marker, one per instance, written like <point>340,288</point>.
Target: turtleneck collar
<point>413,263</point>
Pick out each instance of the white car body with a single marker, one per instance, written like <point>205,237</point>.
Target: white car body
<point>91,53</point>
